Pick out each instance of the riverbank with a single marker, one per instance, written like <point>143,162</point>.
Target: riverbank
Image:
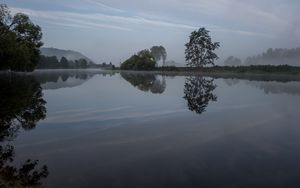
<point>252,72</point>
<point>257,69</point>
<point>282,73</point>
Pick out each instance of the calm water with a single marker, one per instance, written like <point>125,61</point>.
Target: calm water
<point>95,129</point>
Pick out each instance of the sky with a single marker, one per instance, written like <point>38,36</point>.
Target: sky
<point>113,30</point>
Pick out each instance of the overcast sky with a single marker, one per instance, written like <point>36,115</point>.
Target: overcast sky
<point>112,30</point>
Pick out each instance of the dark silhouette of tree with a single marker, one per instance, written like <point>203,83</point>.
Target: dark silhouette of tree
<point>20,41</point>
<point>200,49</point>
<point>232,61</point>
<point>146,82</point>
<point>198,91</point>
<point>48,62</point>
<point>21,106</point>
<point>143,60</point>
<point>83,63</point>
<point>159,52</point>
<point>65,78</point>
<point>21,101</point>
<point>64,63</point>
<point>51,62</point>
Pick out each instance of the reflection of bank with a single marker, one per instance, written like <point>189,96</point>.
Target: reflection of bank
<point>21,107</point>
<point>198,92</point>
<point>146,82</point>
<point>56,79</point>
<point>275,87</point>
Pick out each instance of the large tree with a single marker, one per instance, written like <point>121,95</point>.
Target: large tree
<point>20,40</point>
<point>198,92</point>
<point>159,52</point>
<point>200,49</point>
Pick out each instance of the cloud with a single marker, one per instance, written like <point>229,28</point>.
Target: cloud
<point>117,22</point>
<point>70,19</point>
<point>104,7</point>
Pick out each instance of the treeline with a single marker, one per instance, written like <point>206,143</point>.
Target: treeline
<point>256,69</point>
<point>283,69</point>
<point>275,57</point>
<point>53,63</point>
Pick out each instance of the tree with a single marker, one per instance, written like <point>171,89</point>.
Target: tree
<point>82,64</point>
<point>21,106</point>
<point>21,101</point>
<point>20,41</point>
<point>143,60</point>
<point>232,61</point>
<point>64,62</point>
<point>159,52</point>
<point>146,82</point>
<point>48,62</point>
<point>198,92</point>
<point>200,49</point>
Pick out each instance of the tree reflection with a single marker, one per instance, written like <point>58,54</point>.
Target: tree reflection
<point>146,82</point>
<point>64,75</point>
<point>66,78</point>
<point>198,92</point>
<point>21,106</point>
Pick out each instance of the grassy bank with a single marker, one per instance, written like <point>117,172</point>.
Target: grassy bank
<point>253,69</point>
<point>283,73</point>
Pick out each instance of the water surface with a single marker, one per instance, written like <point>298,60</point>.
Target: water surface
<point>126,130</point>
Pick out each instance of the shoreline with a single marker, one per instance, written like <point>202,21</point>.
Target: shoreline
<point>283,73</point>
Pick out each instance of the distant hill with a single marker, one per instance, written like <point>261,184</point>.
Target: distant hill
<point>59,53</point>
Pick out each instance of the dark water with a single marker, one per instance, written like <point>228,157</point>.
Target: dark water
<point>97,129</point>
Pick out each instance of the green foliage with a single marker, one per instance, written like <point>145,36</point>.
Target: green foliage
<point>20,41</point>
<point>252,69</point>
<point>200,49</point>
<point>159,52</point>
<point>143,60</point>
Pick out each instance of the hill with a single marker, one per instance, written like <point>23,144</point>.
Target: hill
<point>59,53</point>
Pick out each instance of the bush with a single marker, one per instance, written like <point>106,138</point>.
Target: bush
<point>143,60</point>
